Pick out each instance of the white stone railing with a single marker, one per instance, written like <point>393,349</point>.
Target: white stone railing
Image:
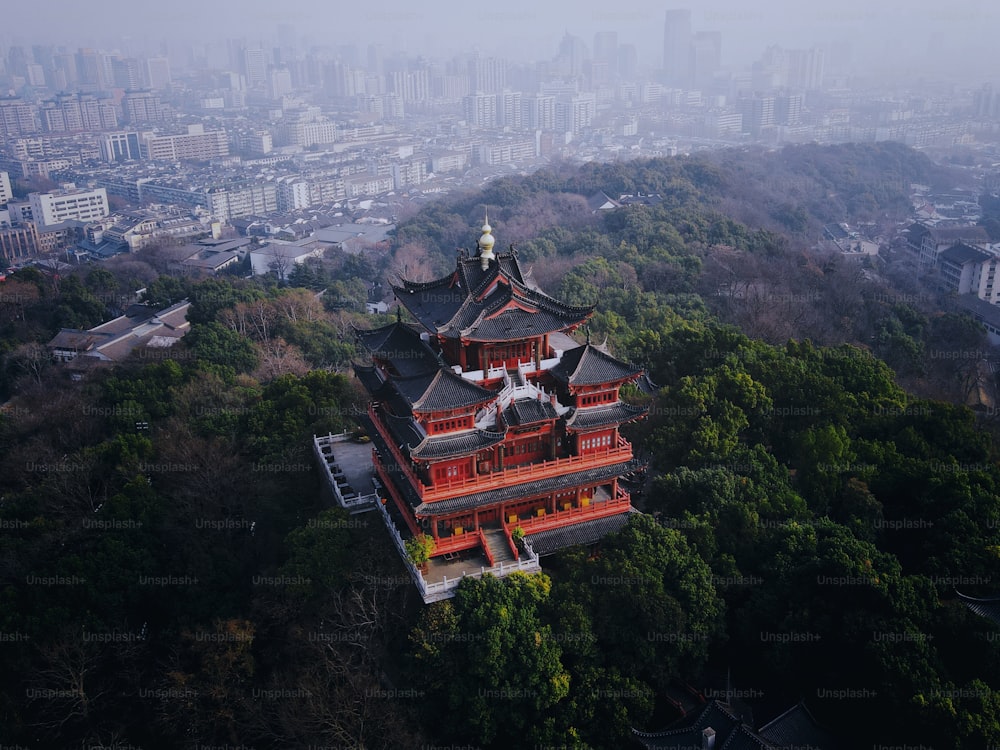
<point>356,504</point>
<point>445,589</point>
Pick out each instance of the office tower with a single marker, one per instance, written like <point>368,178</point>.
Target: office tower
<point>677,48</point>
<point>706,58</point>
<point>487,75</point>
<point>127,73</point>
<point>606,51</point>
<point>158,72</point>
<point>255,67</point>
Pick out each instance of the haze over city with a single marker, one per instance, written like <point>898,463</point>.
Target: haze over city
<point>898,38</point>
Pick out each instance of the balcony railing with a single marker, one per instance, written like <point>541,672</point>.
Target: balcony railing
<point>528,472</point>
<point>432,592</point>
<point>447,488</point>
<point>579,514</point>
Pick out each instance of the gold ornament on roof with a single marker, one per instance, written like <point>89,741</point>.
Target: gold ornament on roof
<point>486,241</point>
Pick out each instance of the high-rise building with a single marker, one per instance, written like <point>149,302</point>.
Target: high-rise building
<point>509,110</point>
<point>806,68</point>
<point>118,147</point>
<point>677,48</point>
<point>628,61</point>
<point>487,75</point>
<point>606,51</point>
<point>571,59</point>
<point>127,73</point>
<point>706,58</point>
<point>788,109</point>
<point>410,85</point>
<point>481,110</point>
<point>6,194</point>
<point>255,67</point>
<point>576,113</point>
<point>758,113</point>
<point>280,82</point>
<point>158,73</point>
<point>538,112</point>
<point>17,117</point>
<point>88,69</point>
<point>142,107</point>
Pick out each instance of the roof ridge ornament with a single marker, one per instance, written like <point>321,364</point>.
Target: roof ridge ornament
<point>485,243</point>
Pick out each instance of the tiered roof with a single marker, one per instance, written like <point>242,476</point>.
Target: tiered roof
<point>594,417</point>
<point>401,346</point>
<point>491,304</point>
<point>588,365</point>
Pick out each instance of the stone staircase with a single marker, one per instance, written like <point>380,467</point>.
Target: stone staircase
<point>496,540</point>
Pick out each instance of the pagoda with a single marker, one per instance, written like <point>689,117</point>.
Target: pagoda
<point>489,423</point>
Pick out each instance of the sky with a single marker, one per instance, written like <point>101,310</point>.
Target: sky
<point>919,35</point>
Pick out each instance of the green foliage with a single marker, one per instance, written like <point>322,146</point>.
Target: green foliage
<point>221,347</point>
<point>419,548</point>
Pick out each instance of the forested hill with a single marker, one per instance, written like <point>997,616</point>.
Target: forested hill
<point>170,575</point>
<point>795,190</point>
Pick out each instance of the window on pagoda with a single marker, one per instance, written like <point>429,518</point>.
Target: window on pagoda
<point>449,425</point>
<point>592,399</point>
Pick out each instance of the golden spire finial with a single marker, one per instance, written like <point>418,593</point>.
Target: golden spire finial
<point>486,242</point>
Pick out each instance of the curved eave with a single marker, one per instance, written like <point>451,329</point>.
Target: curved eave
<point>595,418</point>
<point>468,444</point>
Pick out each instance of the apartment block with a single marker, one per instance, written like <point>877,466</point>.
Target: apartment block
<point>63,205</point>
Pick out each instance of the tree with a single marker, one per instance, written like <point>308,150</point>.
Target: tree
<point>499,673</point>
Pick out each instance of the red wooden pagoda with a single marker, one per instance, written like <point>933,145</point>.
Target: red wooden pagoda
<point>481,423</point>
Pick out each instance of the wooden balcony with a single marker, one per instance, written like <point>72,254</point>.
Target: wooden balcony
<point>620,504</point>
<point>446,489</point>
<point>529,472</point>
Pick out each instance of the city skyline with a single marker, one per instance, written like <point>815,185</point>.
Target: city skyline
<point>922,40</point>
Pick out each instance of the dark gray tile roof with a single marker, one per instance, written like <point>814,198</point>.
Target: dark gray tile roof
<point>436,447</point>
<point>961,254</point>
<point>455,306</point>
<point>592,417</point>
<point>586,532</point>
<point>401,346</point>
<point>646,385</point>
<point>730,732</point>
<point>527,411</point>
<point>988,608</point>
<point>524,489</point>
<point>797,728</point>
<point>588,365</point>
<point>440,390</point>
<point>369,378</point>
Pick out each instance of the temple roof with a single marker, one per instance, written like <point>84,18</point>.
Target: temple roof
<point>439,390</point>
<point>436,447</point>
<point>988,608</point>
<point>527,411</point>
<point>495,304</point>
<point>592,417</point>
<point>588,365</point>
<point>730,732</point>
<point>587,532</point>
<point>401,346</point>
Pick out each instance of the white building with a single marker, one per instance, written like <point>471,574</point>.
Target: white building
<point>62,205</point>
<point>281,259</point>
<point>6,195</point>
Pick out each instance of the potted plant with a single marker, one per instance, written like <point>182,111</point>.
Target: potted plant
<point>517,534</point>
<point>419,549</point>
